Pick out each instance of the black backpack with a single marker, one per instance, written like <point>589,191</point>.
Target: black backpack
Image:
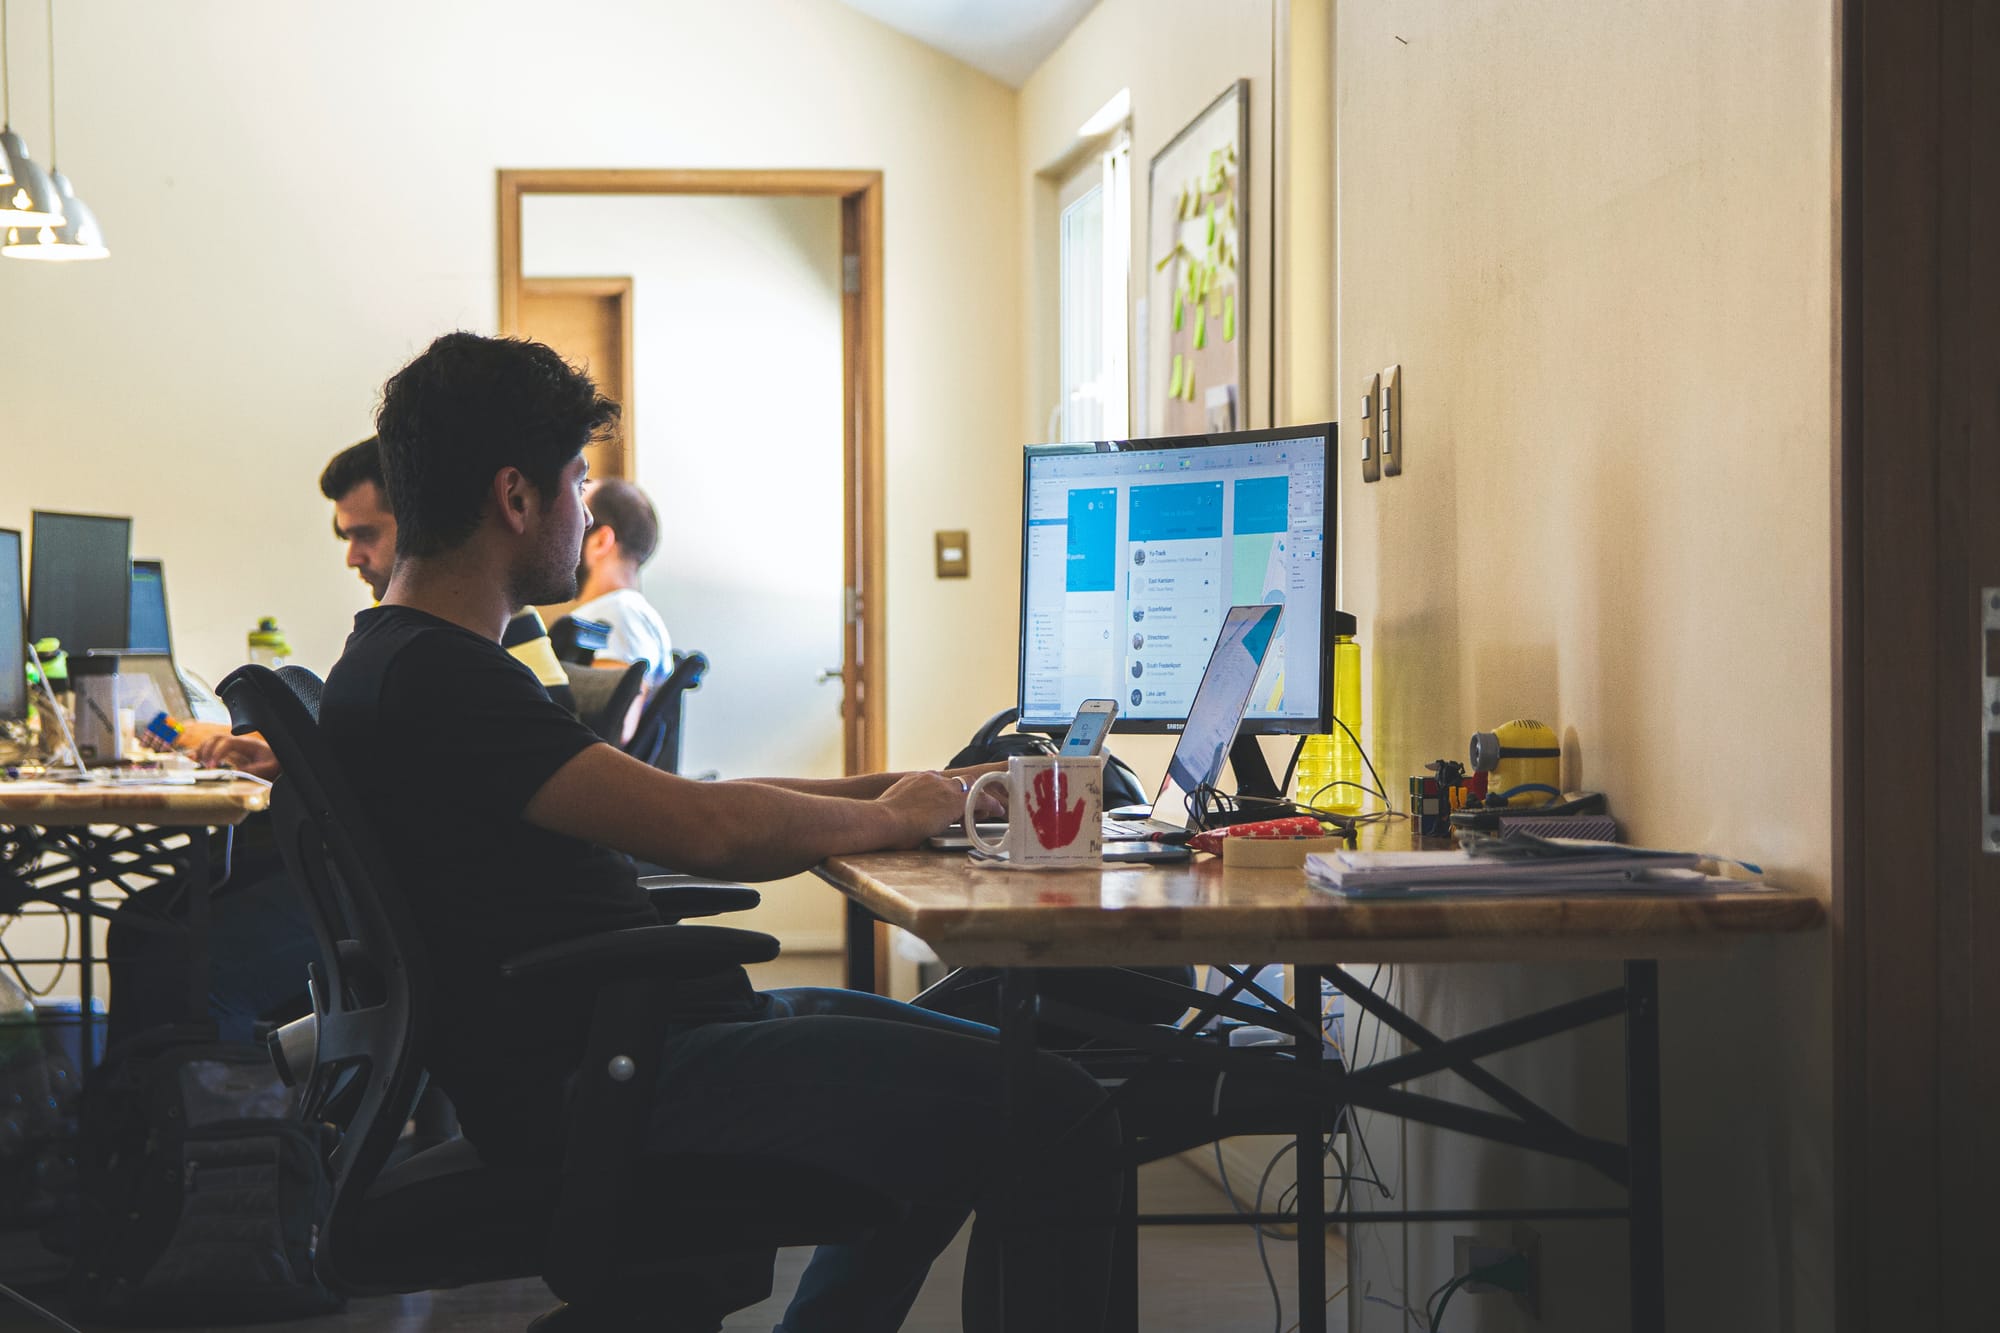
<point>992,743</point>
<point>203,1192</point>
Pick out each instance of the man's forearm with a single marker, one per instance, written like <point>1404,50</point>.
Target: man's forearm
<point>863,786</point>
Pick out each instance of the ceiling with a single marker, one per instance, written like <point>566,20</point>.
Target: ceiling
<point>1005,38</point>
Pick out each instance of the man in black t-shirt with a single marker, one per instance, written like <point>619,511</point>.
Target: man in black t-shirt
<point>504,819</point>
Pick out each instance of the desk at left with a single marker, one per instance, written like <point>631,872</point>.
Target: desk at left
<point>78,847</point>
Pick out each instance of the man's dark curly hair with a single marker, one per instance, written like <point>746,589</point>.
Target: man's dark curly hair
<point>350,467</point>
<point>469,406</point>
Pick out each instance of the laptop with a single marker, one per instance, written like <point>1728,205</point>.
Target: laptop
<point>1219,703</point>
<point>1213,717</point>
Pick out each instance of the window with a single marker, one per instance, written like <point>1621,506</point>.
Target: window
<point>1095,234</point>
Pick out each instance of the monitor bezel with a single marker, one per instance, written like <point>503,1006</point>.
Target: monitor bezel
<point>1252,726</point>
<point>35,517</point>
<point>20,631</point>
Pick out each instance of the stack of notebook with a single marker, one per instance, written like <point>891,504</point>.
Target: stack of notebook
<point>1516,864</point>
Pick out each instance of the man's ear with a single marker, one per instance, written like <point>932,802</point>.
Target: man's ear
<point>510,498</point>
<point>601,541</point>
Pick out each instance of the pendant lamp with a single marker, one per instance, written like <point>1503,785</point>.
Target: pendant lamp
<point>27,196</point>
<point>77,236</point>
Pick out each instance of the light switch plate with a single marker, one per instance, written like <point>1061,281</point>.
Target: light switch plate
<point>1391,413</point>
<point>1371,454</point>
<point>954,555</point>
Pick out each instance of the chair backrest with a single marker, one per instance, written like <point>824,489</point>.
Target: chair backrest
<point>371,988</point>
<point>657,738</point>
<point>604,695</point>
<point>578,641</point>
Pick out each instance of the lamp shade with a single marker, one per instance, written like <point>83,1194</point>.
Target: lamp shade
<point>30,199</point>
<point>77,237</point>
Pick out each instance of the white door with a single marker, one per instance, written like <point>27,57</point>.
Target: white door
<point>736,434</point>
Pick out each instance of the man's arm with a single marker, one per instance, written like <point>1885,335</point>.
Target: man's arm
<point>864,786</point>
<point>743,830</point>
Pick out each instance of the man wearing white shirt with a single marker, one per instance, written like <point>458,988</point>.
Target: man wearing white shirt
<point>623,532</point>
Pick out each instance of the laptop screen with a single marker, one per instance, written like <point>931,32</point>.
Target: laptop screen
<point>1241,647</point>
<point>149,633</point>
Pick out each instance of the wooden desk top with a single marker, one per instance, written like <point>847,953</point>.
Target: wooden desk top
<point>167,805</point>
<point>1200,912</point>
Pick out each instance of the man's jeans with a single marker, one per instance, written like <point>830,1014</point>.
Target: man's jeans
<point>909,1104</point>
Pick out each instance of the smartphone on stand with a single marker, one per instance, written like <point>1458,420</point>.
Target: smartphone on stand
<point>1089,727</point>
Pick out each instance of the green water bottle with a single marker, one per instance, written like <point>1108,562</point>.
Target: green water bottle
<point>1328,776</point>
<point>268,645</point>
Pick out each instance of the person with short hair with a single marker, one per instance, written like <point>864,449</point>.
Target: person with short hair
<point>361,514</point>
<point>624,532</point>
<point>504,819</point>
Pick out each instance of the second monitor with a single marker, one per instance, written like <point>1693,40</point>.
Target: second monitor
<point>1134,550</point>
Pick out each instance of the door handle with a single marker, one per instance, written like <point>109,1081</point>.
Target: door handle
<point>1989,721</point>
<point>831,673</point>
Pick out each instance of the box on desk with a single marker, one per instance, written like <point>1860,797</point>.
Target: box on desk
<point>1274,853</point>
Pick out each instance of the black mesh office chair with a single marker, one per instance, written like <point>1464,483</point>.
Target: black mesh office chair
<point>656,740</point>
<point>577,640</point>
<point>604,695</point>
<point>627,1240</point>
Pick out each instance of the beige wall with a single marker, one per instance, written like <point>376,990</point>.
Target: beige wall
<point>1176,56</point>
<point>1598,239</point>
<point>298,197</point>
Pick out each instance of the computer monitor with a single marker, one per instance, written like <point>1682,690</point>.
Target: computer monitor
<point>1134,550</point>
<point>80,581</point>
<point>149,631</point>
<point>13,629</point>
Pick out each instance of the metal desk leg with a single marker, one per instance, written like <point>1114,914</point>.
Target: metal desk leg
<point>860,947</point>
<point>1306,1000</point>
<point>1122,1316</point>
<point>1642,1134</point>
<point>195,913</point>
<point>1017,1063</point>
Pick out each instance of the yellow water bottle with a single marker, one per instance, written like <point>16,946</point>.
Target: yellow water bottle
<point>1328,776</point>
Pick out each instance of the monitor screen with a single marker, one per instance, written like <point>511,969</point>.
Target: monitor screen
<point>149,633</point>
<point>1134,550</point>
<point>13,626</point>
<point>80,581</point>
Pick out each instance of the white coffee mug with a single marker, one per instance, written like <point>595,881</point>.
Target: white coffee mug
<point>1055,810</point>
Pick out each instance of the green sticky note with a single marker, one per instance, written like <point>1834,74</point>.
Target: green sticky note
<point>1187,384</point>
<point>1179,311</point>
<point>1174,380</point>
<point>1200,327</point>
<point>1229,318</point>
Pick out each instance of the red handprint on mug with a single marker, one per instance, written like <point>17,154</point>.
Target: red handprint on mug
<point>1055,824</point>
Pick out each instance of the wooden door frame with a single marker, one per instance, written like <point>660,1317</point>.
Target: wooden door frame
<point>864,666</point>
<point>1916,905</point>
<point>620,290</point>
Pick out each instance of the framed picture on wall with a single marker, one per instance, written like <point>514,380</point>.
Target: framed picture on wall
<point>1198,353</point>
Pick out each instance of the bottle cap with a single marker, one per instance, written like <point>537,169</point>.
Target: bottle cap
<point>268,635</point>
<point>1343,623</point>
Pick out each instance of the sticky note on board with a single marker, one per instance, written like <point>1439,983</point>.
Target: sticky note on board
<point>1180,311</point>
<point>1187,385</point>
<point>1211,224</point>
<point>1174,380</point>
<point>1200,327</point>
<point>1229,318</point>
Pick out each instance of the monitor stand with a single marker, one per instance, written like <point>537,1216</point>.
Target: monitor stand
<point>1253,775</point>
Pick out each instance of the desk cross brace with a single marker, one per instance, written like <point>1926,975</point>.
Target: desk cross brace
<point>1318,1084</point>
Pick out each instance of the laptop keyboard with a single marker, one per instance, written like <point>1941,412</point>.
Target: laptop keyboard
<point>1129,830</point>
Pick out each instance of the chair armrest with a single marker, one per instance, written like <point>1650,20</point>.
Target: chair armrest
<point>641,953</point>
<point>677,897</point>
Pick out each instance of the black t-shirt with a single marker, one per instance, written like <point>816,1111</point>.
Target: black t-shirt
<point>445,738</point>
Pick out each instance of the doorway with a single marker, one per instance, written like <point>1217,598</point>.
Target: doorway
<point>861,670</point>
